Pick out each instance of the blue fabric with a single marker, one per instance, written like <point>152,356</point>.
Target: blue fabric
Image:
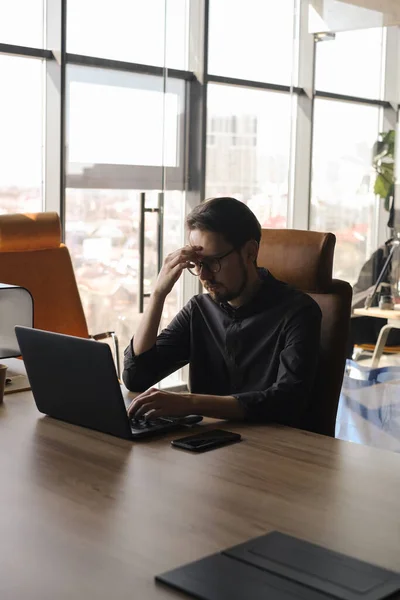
<point>369,406</point>
<point>357,375</point>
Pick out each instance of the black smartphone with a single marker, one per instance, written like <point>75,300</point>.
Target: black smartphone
<point>200,442</point>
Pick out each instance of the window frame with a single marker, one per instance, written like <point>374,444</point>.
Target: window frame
<point>194,134</point>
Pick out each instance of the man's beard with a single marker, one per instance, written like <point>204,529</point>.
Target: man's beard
<point>228,295</point>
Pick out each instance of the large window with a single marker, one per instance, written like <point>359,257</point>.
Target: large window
<point>117,118</point>
<point>22,23</point>
<point>352,63</point>
<point>150,32</point>
<point>21,134</point>
<point>342,198</point>
<point>248,142</point>
<point>124,138</point>
<point>141,78</point>
<point>252,40</point>
<point>125,143</point>
<point>342,184</point>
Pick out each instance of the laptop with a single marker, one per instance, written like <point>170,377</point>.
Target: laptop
<point>74,380</point>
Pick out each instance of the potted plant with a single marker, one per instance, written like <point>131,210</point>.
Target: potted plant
<point>383,163</point>
<point>383,160</point>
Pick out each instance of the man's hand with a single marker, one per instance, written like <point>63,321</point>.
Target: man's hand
<point>146,334</point>
<point>154,403</point>
<point>173,267</point>
<point>157,403</point>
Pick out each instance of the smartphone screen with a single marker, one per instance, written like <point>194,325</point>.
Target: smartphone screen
<point>207,440</point>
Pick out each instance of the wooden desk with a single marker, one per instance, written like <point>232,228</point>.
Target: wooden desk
<point>393,322</point>
<point>87,516</point>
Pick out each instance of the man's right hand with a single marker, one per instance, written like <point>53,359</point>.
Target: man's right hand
<point>172,269</point>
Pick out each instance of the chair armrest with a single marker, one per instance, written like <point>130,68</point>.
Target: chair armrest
<point>110,334</point>
<point>102,336</point>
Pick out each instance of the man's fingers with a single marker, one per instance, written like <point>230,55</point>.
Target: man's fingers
<point>176,271</point>
<point>177,261</point>
<point>135,409</point>
<point>182,258</point>
<point>155,403</point>
<point>189,251</point>
<point>144,409</point>
<point>173,255</point>
<point>185,251</point>
<point>137,402</point>
<point>180,267</point>
<point>155,413</point>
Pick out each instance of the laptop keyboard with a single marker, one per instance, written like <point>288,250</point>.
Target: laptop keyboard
<point>151,424</point>
<point>162,423</point>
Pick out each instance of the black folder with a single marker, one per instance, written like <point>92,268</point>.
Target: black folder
<point>280,567</point>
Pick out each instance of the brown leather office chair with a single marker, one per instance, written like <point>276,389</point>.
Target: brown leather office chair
<point>32,256</point>
<point>304,259</point>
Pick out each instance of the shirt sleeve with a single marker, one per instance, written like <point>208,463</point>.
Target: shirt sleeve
<point>170,352</point>
<point>288,398</point>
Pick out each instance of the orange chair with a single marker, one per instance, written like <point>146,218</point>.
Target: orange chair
<point>304,259</point>
<point>32,256</point>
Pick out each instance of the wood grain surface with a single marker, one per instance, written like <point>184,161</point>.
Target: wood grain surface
<point>88,516</point>
<point>380,313</point>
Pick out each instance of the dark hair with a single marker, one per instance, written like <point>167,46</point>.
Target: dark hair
<point>228,216</point>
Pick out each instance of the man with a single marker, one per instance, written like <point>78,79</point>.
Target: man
<point>252,342</point>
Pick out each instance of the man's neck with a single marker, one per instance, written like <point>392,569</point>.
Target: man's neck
<point>253,285</point>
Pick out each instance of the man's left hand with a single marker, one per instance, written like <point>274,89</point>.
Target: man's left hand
<point>154,403</point>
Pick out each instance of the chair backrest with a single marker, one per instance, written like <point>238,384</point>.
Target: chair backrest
<point>32,256</point>
<point>304,259</point>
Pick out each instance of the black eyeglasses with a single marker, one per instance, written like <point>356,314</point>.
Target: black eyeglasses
<point>213,264</point>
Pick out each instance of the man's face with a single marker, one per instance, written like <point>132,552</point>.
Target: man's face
<point>231,280</point>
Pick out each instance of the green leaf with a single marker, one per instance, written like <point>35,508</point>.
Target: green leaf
<point>383,163</point>
<point>390,137</point>
<point>377,150</point>
<point>382,186</point>
<point>386,170</point>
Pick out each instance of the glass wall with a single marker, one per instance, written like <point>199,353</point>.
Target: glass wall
<point>153,32</point>
<point>146,114</point>
<point>248,144</point>
<point>255,43</point>
<point>21,134</point>
<point>249,129</point>
<point>125,150</point>
<point>342,197</point>
<point>352,64</point>
<point>22,22</point>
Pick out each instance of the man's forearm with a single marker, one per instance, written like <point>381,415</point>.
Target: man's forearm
<point>146,334</point>
<point>171,271</point>
<point>217,407</point>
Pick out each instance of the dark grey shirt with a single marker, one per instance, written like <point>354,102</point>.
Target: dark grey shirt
<point>264,353</point>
